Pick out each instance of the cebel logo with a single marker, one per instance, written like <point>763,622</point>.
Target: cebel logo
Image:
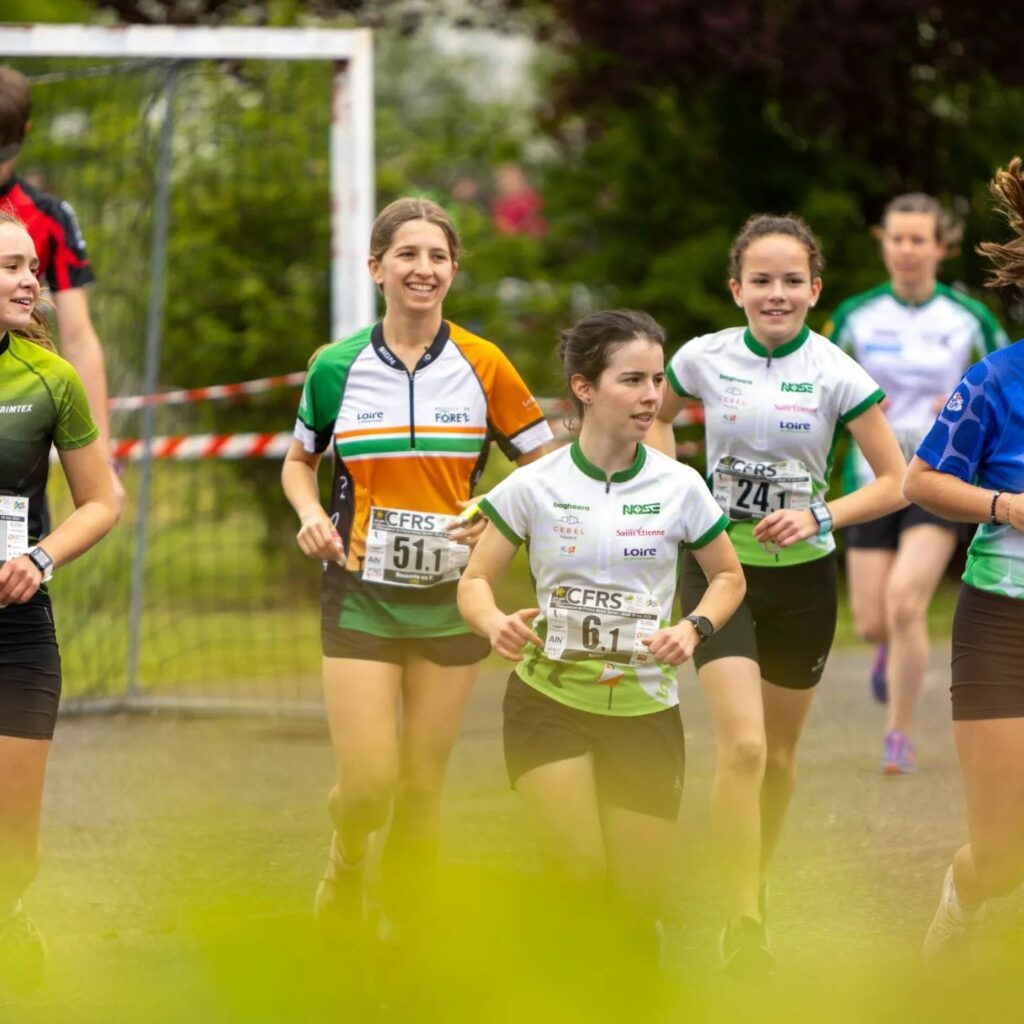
<point>650,509</point>
<point>798,387</point>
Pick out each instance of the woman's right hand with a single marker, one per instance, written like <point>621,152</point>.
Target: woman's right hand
<point>318,538</point>
<point>510,633</point>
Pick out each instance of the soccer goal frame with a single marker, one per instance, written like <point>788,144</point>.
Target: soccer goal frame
<point>351,174</point>
<point>350,162</point>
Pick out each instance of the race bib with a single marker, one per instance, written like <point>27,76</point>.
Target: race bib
<point>13,526</point>
<point>752,490</point>
<point>607,625</point>
<point>411,549</point>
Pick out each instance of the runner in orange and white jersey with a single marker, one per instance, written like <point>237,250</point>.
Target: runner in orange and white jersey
<point>411,405</point>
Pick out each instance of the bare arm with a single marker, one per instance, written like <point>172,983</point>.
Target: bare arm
<point>81,347</point>
<point>507,633</point>
<point>317,537</point>
<point>952,498</point>
<point>95,513</point>
<point>726,587</point>
<point>883,495</point>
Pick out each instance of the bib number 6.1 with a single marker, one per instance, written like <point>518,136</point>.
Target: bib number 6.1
<point>590,629</point>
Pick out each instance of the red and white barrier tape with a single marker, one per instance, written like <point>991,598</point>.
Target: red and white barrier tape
<point>553,408</point>
<point>214,391</point>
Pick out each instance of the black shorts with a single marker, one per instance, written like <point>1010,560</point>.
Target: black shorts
<point>638,760</point>
<point>786,623</point>
<point>988,656</point>
<point>462,649</point>
<point>30,678</point>
<point>884,533</point>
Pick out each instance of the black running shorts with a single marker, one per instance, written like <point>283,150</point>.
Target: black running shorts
<point>786,623</point>
<point>638,760</point>
<point>30,678</point>
<point>884,533</point>
<point>461,649</point>
<point>988,656</point>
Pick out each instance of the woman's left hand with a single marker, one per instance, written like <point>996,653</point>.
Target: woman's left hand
<point>20,578</point>
<point>786,527</point>
<point>674,644</point>
<point>468,532</point>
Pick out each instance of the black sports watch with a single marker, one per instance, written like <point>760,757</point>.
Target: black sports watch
<point>702,624</point>
<point>42,561</point>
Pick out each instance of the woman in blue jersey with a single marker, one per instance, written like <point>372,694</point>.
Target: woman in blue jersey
<point>42,405</point>
<point>776,397</point>
<point>409,406</point>
<point>593,740</point>
<point>915,336</point>
<point>970,469</point>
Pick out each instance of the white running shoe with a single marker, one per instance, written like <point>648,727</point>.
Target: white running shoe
<point>950,930</point>
<point>339,896</point>
<point>22,953</point>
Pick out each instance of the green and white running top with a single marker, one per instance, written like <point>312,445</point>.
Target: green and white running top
<point>917,353</point>
<point>604,554</point>
<point>771,420</point>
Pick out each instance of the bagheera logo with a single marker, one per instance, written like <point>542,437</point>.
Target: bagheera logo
<point>650,509</point>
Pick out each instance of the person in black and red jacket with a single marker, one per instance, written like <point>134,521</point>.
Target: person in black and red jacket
<point>63,262</point>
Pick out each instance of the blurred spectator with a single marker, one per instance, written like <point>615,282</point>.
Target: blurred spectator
<point>517,206</point>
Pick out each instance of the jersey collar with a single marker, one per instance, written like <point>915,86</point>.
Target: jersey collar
<point>777,353</point>
<point>380,346</point>
<point>585,466</point>
<point>905,302</point>
<point>5,343</point>
<point>8,185</point>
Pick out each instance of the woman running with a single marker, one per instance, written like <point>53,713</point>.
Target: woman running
<point>410,405</point>
<point>43,403</point>
<point>970,468</point>
<point>592,735</point>
<point>775,397</point>
<point>916,337</point>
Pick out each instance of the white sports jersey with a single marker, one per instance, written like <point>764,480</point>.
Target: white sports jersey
<point>771,421</point>
<point>604,554</point>
<point>916,353</point>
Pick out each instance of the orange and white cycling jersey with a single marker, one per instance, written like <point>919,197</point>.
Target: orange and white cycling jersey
<point>414,441</point>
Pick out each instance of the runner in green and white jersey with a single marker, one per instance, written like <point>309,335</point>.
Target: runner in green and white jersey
<point>593,740</point>
<point>916,337</point>
<point>776,397</point>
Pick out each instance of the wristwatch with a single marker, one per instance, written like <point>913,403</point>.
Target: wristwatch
<point>822,516</point>
<point>42,561</point>
<point>702,624</point>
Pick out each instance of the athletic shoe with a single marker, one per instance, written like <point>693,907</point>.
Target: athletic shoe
<point>951,927</point>
<point>879,680</point>
<point>22,953</point>
<point>744,950</point>
<point>898,755</point>
<point>339,896</point>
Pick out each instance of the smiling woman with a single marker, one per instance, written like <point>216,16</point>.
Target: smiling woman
<point>44,404</point>
<point>410,405</point>
<point>775,396</point>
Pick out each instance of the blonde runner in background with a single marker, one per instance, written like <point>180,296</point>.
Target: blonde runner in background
<point>915,336</point>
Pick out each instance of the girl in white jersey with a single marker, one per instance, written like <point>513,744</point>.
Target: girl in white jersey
<point>775,396</point>
<point>593,740</point>
<point>916,337</point>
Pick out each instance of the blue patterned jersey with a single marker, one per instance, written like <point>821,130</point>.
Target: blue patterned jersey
<point>979,438</point>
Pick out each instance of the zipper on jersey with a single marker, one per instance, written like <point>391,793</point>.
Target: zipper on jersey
<point>603,529</point>
<point>412,408</point>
